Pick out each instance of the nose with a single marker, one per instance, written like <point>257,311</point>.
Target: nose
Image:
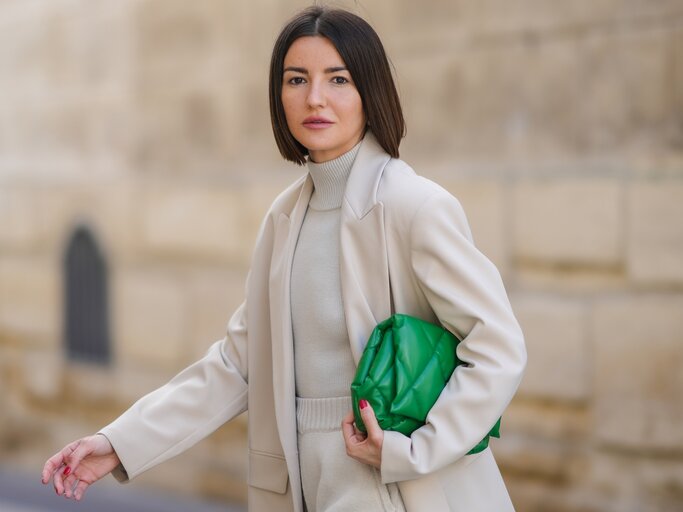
<point>316,94</point>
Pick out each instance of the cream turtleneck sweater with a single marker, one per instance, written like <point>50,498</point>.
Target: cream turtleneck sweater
<point>324,365</point>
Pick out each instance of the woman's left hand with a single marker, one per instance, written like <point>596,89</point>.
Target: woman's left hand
<point>366,448</point>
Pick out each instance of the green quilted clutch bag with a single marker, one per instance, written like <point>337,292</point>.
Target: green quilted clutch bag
<point>402,372</point>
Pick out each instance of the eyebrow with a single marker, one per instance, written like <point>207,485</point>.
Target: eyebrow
<point>333,69</point>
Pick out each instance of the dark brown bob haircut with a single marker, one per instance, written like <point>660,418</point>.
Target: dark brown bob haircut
<point>362,51</point>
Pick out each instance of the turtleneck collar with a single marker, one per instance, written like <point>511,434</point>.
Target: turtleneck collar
<point>329,179</point>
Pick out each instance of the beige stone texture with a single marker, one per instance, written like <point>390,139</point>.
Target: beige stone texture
<point>554,329</point>
<point>543,441</point>
<point>212,299</point>
<point>476,105</point>
<point>643,484</point>
<point>573,280</point>
<point>150,313</point>
<point>574,222</point>
<point>30,298</point>
<point>655,234</point>
<point>134,377</point>
<point>42,372</point>
<point>637,368</point>
<point>19,229</point>
<point>109,207</point>
<point>191,220</point>
<point>677,70</point>
<point>554,17</point>
<point>627,91</point>
<point>484,203</point>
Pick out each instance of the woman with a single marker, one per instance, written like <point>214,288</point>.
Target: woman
<point>358,237</point>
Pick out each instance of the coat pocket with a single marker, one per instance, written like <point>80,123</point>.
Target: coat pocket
<point>268,472</point>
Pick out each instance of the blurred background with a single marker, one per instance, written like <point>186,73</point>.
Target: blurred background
<point>137,160</point>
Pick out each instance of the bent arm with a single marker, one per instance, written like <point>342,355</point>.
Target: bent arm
<point>467,294</point>
<point>188,408</point>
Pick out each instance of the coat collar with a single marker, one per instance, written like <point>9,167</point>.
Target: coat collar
<point>363,259</point>
<point>363,182</point>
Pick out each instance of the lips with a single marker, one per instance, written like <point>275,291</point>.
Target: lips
<point>317,122</point>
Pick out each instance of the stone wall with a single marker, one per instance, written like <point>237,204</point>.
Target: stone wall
<point>559,125</point>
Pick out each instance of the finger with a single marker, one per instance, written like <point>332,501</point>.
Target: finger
<point>80,490</point>
<point>52,465</point>
<point>375,432</point>
<point>55,462</point>
<point>83,448</point>
<point>348,429</point>
<point>69,483</point>
<point>367,414</point>
<point>58,482</point>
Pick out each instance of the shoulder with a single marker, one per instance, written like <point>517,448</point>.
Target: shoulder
<point>285,200</point>
<point>407,195</point>
<point>283,204</point>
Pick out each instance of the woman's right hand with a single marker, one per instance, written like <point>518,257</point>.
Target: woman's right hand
<point>80,464</point>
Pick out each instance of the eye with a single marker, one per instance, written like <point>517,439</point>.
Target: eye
<point>340,80</point>
<point>296,80</point>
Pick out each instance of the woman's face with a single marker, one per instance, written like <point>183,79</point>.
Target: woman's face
<point>323,108</point>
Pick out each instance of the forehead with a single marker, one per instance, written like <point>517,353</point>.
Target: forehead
<point>309,51</point>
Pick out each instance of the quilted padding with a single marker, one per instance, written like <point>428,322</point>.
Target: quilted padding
<point>404,368</point>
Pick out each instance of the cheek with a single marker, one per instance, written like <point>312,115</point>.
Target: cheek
<point>289,102</point>
<point>354,105</point>
<point>353,108</point>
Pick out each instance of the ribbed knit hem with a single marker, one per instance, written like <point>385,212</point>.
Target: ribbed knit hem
<point>321,414</point>
<point>329,180</point>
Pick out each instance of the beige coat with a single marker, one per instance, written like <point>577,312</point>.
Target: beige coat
<point>403,238</point>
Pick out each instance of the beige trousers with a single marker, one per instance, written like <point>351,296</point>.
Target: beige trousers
<point>331,480</point>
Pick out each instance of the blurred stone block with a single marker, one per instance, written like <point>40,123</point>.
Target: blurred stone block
<point>655,232</point>
<point>629,481</point>
<point>110,208</point>
<point>20,225</point>
<point>558,352</point>
<point>627,90</point>
<point>637,371</point>
<point>198,221</point>
<point>42,373</point>
<point>134,378</point>
<point>150,312</point>
<point>483,108</point>
<point>484,205</point>
<point>30,299</point>
<point>559,17</point>
<point>213,297</point>
<point>568,222</point>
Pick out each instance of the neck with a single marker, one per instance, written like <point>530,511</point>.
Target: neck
<point>329,180</point>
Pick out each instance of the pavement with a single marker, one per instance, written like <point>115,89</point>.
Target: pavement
<point>22,492</point>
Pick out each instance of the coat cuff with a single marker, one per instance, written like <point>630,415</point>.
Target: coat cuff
<point>395,454</point>
<point>119,472</point>
<point>121,475</point>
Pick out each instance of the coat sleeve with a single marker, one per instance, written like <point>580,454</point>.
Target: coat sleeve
<point>188,408</point>
<point>195,402</point>
<point>467,294</point>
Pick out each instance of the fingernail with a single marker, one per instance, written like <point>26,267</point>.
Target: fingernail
<point>363,403</point>
<point>67,471</point>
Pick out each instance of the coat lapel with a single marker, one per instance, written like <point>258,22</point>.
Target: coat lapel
<point>364,267</point>
<point>284,242</point>
<point>364,278</point>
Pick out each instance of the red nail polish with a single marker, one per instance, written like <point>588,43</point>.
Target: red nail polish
<point>67,471</point>
<point>363,403</point>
